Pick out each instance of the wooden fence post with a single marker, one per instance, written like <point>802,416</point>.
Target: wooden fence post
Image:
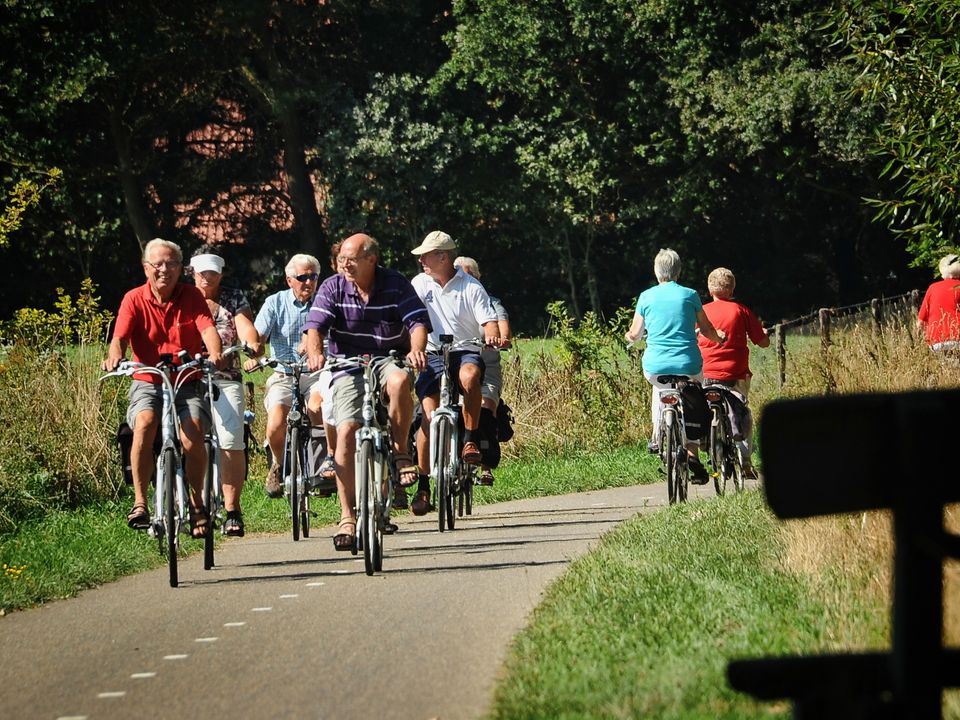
<point>824,315</point>
<point>876,311</point>
<point>779,334</point>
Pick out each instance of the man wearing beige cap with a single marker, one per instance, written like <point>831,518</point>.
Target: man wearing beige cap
<point>457,305</point>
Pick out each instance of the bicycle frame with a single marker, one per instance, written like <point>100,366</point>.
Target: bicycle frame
<point>725,459</point>
<point>451,476</point>
<point>673,440</point>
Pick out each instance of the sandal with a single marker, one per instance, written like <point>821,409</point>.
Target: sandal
<point>346,541</point>
<point>407,472</point>
<point>233,525</point>
<point>199,523</point>
<point>139,517</point>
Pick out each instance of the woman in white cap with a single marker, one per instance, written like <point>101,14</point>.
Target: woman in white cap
<point>234,320</point>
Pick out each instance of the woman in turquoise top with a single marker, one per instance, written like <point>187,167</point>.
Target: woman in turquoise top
<point>670,313</point>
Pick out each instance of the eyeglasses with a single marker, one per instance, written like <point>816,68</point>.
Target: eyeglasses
<point>304,277</point>
<point>346,260</point>
<point>168,264</point>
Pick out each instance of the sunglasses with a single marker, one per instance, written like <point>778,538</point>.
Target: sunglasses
<point>306,276</point>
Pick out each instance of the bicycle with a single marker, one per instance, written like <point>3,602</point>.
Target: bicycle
<point>171,494</point>
<point>212,485</point>
<point>672,438</point>
<point>376,473</point>
<point>298,486</point>
<point>452,478</point>
<point>726,462</point>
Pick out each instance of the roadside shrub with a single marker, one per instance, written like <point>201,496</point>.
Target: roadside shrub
<point>55,446</point>
<point>583,392</point>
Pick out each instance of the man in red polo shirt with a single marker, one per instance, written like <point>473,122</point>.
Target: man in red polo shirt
<point>164,316</point>
<point>729,364</point>
<point>939,317</point>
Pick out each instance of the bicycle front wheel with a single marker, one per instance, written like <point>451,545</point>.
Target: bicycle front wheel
<point>169,475</point>
<point>209,504</point>
<point>442,440</point>
<point>292,479</point>
<point>366,477</point>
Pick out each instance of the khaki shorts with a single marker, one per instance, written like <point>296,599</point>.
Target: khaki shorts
<point>348,393</point>
<point>492,376</point>
<point>191,401</point>
<point>278,389</point>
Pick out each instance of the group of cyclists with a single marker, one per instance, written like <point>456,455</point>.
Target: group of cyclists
<point>707,343</point>
<point>363,308</point>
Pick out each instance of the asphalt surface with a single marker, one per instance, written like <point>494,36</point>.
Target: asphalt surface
<point>297,630</point>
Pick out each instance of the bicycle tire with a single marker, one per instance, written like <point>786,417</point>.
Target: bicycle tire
<point>469,495</point>
<point>737,467</point>
<point>681,467</point>
<point>718,452</point>
<point>169,511</point>
<point>209,504</point>
<point>441,454</point>
<point>366,516</point>
<point>293,496</point>
<point>669,457</point>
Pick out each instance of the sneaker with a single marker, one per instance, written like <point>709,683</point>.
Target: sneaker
<point>273,486</point>
<point>750,472</point>
<point>653,448</point>
<point>471,453</point>
<point>485,478</point>
<point>421,503</point>
<point>400,499</point>
<point>698,473</point>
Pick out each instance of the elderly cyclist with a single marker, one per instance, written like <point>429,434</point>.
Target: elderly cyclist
<point>939,317</point>
<point>164,316</point>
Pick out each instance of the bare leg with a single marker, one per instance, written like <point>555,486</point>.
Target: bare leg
<point>232,469</point>
<point>141,454</point>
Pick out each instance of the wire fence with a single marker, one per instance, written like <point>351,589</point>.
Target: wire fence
<point>896,311</point>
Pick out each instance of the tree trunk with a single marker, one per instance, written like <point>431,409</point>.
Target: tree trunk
<point>571,279</point>
<point>137,212</point>
<point>301,189</point>
<point>592,287</point>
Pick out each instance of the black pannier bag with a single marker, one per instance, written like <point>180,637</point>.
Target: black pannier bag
<point>489,442</point>
<point>504,422</point>
<point>696,413</point>
<point>125,445</point>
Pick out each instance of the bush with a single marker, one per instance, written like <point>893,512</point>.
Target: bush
<point>55,447</point>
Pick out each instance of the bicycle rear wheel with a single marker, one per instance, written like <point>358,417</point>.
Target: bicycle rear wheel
<point>681,466</point>
<point>169,475</point>
<point>736,466</point>
<point>669,456</point>
<point>718,453</point>
<point>292,478</point>
<point>366,516</point>
<point>210,505</point>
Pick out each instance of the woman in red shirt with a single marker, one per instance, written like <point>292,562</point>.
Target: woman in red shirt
<point>939,316</point>
<point>728,364</point>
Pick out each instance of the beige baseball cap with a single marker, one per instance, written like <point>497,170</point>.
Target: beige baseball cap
<point>436,240</point>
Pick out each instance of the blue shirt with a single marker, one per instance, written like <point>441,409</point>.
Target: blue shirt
<point>375,327</point>
<point>280,321</point>
<point>669,314</point>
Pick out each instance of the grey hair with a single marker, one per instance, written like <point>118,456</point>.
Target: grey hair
<point>721,282</point>
<point>950,267</point>
<point>370,246</point>
<point>160,242</point>
<point>301,259</point>
<point>666,266</point>
<point>468,265</point>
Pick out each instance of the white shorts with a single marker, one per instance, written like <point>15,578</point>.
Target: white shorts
<point>228,414</point>
<point>278,389</point>
<point>326,396</point>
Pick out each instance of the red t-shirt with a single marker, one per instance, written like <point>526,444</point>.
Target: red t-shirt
<point>153,329</point>
<point>939,311</point>
<point>729,361</point>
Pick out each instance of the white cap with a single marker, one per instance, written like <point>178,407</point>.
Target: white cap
<point>202,263</point>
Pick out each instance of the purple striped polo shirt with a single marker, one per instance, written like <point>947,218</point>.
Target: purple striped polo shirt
<point>382,324</point>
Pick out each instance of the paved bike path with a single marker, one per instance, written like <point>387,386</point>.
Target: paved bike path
<point>297,630</point>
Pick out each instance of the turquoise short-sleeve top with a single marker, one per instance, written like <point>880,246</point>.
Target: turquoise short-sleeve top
<point>669,314</point>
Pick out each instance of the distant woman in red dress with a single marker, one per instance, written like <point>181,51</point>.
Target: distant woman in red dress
<point>939,317</point>
<point>729,364</point>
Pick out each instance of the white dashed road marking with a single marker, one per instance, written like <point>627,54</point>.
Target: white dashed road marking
<point>182,656</point>
<point>140,676</point>
<point>291,595</point>
<point>234,624</point>
<point>206,639</point>
<point>114,694</point>
<point>261,609</point>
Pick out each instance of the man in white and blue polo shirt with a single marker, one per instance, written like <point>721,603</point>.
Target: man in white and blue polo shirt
<point>280,322</point>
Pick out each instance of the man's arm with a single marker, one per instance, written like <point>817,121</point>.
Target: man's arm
<point>417,356</point>
<point>313,341</point>
<point>115,353</point>
<point>491,333</point>
<point>211,339</point>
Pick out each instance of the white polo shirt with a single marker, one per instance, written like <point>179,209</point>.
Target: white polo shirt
<point>457,308</point>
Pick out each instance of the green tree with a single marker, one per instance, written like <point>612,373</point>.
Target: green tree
<point>908,59</point>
